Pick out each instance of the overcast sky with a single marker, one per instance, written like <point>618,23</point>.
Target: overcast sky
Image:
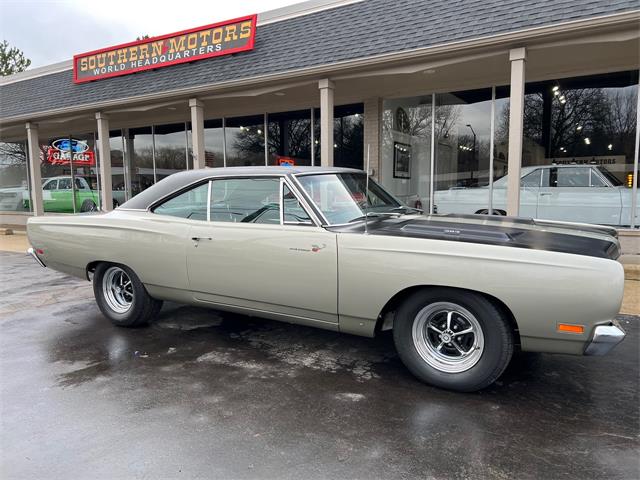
<point>50,31</point>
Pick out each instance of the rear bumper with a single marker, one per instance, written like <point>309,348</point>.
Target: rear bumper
<point>31,251</point>
<point>605,337</point>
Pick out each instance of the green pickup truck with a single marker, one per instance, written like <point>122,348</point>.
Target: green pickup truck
<point>57,195</point>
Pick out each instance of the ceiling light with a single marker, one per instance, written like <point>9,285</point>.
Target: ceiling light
<point>610,146</point>
<point>579,127</point>
<point>556,88</point>
<point>259,132</point>
<point>556,92</point>
<point>335,145</point>
<point>587,141</point>
<point>563,101</point>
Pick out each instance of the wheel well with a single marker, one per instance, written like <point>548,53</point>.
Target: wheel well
<point>391,306</point>
<point>91,267</point>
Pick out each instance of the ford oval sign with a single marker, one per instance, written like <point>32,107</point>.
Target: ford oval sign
<point>70,151</point>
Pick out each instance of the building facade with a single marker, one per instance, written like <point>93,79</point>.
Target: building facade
<point>508,107</point>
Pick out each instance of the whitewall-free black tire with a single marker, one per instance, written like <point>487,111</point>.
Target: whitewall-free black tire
<point>453,339</point>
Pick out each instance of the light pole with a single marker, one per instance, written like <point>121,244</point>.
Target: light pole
<point>473,156</point>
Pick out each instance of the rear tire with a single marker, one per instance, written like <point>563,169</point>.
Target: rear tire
<point>429,335</point>
<point>121,296</point>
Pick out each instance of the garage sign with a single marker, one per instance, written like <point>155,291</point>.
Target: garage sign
<point>67,151</point>
<point>223,38</point>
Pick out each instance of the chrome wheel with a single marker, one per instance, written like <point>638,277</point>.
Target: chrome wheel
<point>117,289</point>
<point>448,337</point>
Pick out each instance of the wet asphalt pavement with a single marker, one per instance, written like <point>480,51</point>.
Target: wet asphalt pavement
<point>206,395</point>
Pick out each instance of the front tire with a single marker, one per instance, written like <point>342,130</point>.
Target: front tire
<point>453,339</point>
<point>88,206</point>
<point>121,296</point>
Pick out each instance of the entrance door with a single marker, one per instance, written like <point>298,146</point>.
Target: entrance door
<point>578,194</point>
<point>251,256</point>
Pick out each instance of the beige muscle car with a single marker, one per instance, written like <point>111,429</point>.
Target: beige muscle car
<point>314,246</point>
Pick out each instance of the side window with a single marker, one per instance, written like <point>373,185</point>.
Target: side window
<point>191,204</point>
<point>81,184</point>
<point>596,181</point>
<point>531,179</point>
<point>51,185</point>
<point>246,200</point>
<point>293,211</point>
<point>64,184</point>
<point>572,177</point>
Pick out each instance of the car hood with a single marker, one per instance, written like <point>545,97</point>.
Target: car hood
<point>574,238</point>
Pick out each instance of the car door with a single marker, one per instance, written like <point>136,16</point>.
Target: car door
<point>255,255</point>
<point>578,194</point>
<point>48,189</point>
<point>63,196</point>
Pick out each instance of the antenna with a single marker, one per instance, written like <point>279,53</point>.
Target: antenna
<point>366,194</point>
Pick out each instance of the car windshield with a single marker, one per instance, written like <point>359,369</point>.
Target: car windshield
<point>341,197</point>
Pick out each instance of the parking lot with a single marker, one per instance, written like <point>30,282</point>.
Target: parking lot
<point>201,394</point>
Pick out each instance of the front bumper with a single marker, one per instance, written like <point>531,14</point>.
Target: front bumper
<point>31,251</point>
<point>605,337</point>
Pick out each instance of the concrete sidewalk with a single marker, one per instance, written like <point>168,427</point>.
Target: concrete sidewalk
<point>18,242</point>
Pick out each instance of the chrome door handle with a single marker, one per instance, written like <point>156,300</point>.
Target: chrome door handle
<point>544,194</point>
<point>197,239</point>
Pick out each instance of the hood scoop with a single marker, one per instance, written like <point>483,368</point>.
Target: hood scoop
<point>460,232</point>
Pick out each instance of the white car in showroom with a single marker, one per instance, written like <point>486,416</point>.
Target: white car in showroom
<point>576,193</point>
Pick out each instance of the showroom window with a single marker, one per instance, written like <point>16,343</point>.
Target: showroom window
<point>213,143</point>
<point>120,183</point>
<point>170,149</point>
<point>456,128</point>
<point>588,120</point>
<point>348,136</point>
<point>244,140</point>
<point>289,138</point>
<point>14,179</point>
<point>69,170</point>
<point>140,144</point>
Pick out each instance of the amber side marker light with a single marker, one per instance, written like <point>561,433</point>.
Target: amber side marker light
<point>568,328</point>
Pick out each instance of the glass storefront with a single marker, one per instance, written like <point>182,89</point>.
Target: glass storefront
<point>213,143</point>
<point>14,179</point>
<point>170,149</point>
<point>579,134</point>
<point>289,137</point>
<point>119,172</point>
<point>244,137</point>
<point>142,167</point>
<point>69,171</point>
<point>406,149</point>
<point>578,149</point>
<point>348,136</point>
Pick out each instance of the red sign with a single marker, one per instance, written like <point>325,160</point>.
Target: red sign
<point>286,161</point>
<point>213,40</point>
<point>67,151</point>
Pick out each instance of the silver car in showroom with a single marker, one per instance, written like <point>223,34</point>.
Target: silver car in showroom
<point>330,248</point>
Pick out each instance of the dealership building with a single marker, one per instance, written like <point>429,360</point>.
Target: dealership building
<point>511,106</point>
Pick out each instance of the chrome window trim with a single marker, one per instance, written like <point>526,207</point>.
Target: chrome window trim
<point>600,176</point>
<point>313,221</point>
<point>209,201</point>
<point>308,202</point>
<point>211,178</point>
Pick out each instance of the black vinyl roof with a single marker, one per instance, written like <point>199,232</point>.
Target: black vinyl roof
<point>348,32</point>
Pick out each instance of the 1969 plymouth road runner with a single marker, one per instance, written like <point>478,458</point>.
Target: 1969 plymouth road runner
<point>314,246</point>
